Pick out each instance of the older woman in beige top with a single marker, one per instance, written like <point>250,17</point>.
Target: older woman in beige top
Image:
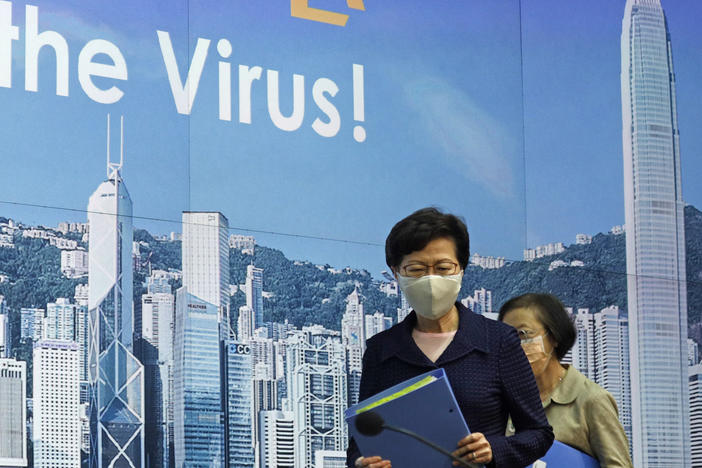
<point>583,414</point>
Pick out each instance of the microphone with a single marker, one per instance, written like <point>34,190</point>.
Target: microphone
<point>370,423</point>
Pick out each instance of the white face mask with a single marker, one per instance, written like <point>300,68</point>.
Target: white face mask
<point>536,353</point>
<point>431,296</point>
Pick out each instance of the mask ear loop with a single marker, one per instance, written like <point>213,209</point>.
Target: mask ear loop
<point>548,359</point>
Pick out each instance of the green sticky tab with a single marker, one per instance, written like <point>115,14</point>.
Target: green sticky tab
<point>409,389</point>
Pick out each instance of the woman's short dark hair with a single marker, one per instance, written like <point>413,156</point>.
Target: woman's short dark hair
<point>421,227</point>
<point>551,314</point>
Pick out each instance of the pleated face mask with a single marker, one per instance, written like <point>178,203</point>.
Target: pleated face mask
<point>536,352</point>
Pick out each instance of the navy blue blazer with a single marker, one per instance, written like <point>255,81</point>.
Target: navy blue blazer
<point>488,372</point>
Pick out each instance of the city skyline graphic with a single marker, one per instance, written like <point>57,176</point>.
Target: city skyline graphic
<point>173,356</point>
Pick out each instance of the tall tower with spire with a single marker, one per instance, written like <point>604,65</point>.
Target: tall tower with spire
<point>655,240</point>
<point>116,377</point>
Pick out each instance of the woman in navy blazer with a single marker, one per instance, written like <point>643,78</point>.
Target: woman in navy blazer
<point>483,359</point>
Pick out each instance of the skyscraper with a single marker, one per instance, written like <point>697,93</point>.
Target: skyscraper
<point>5,337</point>
<point>353,336</point>
<point>353,327</point>
<point>245,324</point>
<point>317,390</point>
<point>202,321</point>
<point>695,383</point>
<point>13,407</point>
<point>116,376</point>
<point>154,335</point>
<point>254,294</point>
<point>239,410</point>
<point>206,261</point>
<point>197,406</point>
<point>655,239</point>
<point>56,385</point>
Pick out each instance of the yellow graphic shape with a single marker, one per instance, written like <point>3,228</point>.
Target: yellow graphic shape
<point>409,389</point>
<point>302,9</point>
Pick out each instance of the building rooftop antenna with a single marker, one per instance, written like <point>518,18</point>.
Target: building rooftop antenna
<point>114,168</point>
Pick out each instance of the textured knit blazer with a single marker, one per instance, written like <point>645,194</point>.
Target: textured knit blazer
<point>488,372</point>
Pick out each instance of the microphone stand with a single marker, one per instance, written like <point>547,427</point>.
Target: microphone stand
<point>431,444</point>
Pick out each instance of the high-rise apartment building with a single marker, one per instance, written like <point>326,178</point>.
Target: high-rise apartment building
<point>376,323</point>
<point>61,321</point>
<point>584,351</point>
<point>31,322</point>
<point>611,333</point>
<point>116,377</point>
<point>317,391</point>
<point>81,294</point>
<point>74,263</point>
<point>693,352</point>
<point>13,413</point>
<point>480,303</point>
<point>655,239</point>
<point>404,309</point>
<point>56,404</point>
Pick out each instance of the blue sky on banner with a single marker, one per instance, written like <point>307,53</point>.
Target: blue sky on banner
<point>443,119</point>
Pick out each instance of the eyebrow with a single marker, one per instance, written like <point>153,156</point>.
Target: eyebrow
<point>445,259</point>
<point>521,325</point>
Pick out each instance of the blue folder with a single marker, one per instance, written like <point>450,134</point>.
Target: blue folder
<point>562,455</point>
<point>431,411</point>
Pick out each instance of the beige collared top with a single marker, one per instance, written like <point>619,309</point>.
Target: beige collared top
<point>584,416</point>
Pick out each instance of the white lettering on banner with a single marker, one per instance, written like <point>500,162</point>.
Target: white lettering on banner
<point>87,69</point>
<point>183,95</point>
<point>34,42</point>
<point>224,47</point>
<point>292,123</point>
<point>321,87</point>
<point>8,33</point>
<point>247,75</point>
<point>326,124</point>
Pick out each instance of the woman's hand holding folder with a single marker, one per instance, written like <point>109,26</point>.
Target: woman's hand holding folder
<point>372,462</point>
<point>474,448</point>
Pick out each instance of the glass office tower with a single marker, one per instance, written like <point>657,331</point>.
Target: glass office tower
<point>116,377</point>
<point>655,240</point>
